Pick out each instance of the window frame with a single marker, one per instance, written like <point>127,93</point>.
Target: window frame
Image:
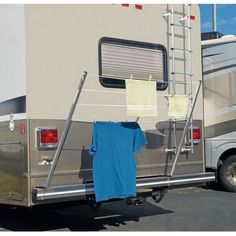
<point>160,86</point>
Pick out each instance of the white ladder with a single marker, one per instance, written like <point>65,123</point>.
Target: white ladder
<point>184,23</point>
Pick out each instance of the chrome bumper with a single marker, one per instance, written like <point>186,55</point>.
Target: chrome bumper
<point>63,192</point>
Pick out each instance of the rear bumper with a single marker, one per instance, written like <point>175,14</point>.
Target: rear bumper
<point>72,191</point>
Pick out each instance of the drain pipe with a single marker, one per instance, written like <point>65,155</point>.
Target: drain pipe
<point>214,26</point>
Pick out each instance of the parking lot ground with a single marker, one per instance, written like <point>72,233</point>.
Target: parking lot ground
<point>189,209</point>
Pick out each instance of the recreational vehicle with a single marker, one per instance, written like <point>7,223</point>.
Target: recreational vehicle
<point>219,86</point>
<point>64,67</point>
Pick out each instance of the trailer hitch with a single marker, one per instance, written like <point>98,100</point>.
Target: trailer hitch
<point>93,204</point>
<point>136,201</point>
<point>158,194</point>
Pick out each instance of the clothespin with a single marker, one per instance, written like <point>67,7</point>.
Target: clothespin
<point>150,77</point>
<point>131,76</point>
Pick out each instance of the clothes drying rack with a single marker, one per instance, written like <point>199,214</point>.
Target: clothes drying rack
<point>69,122</point>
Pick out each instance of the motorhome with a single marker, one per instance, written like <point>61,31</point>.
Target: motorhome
<point>219,103</point>
<point>46,119</point>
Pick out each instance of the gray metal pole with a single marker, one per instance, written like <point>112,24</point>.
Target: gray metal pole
<point>214,24</point>
<point>185,129</point>
<point>66,130</point>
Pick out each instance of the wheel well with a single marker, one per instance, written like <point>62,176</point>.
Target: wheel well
<point>225,155</point>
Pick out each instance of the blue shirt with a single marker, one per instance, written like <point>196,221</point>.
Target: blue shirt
<point>114,164</point>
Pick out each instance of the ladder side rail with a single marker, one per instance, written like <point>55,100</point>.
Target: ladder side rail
<point>65,131</point>
<point>190,68</point>
<point>173,64</point>
<point>173,46</point>
<point>186,57</point>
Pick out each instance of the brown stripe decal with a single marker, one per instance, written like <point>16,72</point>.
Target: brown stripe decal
<point>220,129</point>
<point>13,106</point>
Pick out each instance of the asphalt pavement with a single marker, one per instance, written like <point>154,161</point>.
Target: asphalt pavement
<point>189,209</point>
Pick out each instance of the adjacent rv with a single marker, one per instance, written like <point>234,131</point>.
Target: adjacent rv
<point>44,51</point>
<point>219,84</point>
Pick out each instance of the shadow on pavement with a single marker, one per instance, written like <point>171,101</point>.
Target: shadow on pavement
<point>214,186</point>
<point>75,218</point>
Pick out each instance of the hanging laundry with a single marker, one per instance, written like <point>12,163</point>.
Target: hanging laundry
<point>141,98</point>
<point>114,164</point>
<point>178,107</point>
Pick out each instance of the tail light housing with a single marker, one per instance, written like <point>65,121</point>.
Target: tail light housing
<point>47,138</point>
<point>196,135</point>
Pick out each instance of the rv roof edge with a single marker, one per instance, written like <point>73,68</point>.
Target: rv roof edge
<point>224,39</point>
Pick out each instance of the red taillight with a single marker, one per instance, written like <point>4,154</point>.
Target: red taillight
<point>196,135</point>
<point>192,17</point>
<point>49,136</point>
<point>138,6</point>
<point>125,5</point>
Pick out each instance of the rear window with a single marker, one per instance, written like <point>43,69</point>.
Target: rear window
<point>118,59</point>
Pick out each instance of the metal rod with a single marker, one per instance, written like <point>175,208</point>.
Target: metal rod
<point>185,129</point>
<point>173,45</point>
<point>42,194</point>
<point>175,137</point>
<point>214,24</point>
<point>65,131</point>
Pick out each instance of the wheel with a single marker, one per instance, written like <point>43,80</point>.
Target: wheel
<point>227,174</point>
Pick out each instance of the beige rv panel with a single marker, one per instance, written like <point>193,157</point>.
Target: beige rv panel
<point>62,41</point>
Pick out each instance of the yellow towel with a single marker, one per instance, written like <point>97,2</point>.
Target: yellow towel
<point>141,98</point>
<point>178,107</point>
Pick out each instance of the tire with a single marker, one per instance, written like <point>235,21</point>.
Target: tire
<point>227,174</point>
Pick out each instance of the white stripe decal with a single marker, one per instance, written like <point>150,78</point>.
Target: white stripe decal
<point>19,116</point>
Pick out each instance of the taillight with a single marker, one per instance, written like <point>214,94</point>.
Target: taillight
<point>47,138</point>
<point>196,135</point>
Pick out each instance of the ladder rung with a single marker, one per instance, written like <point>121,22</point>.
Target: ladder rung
<point>179,121</point>
<point>175,13</point>
<point>182,26</point>
<point>178,82</point>
<point>180,73</point>
<point>181,50</point>
<point>167,14</point>
<point>183,18</point>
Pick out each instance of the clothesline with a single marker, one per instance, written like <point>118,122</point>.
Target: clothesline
<point>110,105</point>
<point>114,77</point>
<point>111,91</point>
